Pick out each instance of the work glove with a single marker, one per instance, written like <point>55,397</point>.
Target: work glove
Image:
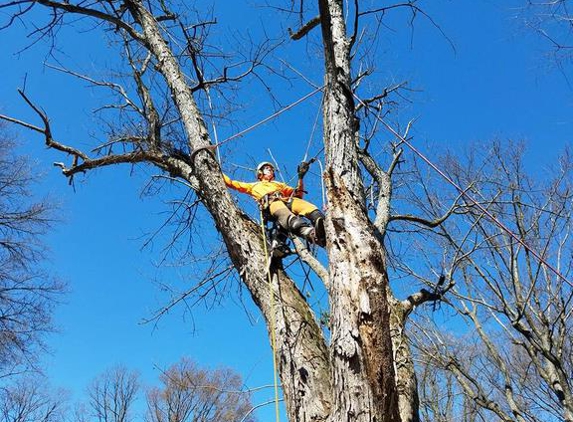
<point>302,169</point>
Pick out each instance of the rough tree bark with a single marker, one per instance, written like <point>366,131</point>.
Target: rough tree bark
<point>351,376</point>
<point>361,349</point>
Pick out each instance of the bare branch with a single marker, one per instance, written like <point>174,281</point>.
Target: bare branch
<point>424,295</point>
<point>365,103</point>
<point>395,160</point>
<point>22,123</point>
<point>47,131</point>
<point>211,278</point>
<point>415,10</point>
<point>106,84</point>
<point>80,10</point>
<point>430,223</point>
<point>305,29</point>
<point>310,260</point>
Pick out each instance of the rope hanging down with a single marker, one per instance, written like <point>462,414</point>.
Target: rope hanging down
<point>272,319</point>
<point>265,120</point>
<point>464,193</point>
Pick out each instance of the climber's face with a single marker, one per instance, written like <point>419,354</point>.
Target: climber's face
<point>267,173</point>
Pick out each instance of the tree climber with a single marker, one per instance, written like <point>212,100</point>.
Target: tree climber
<point>284,203</point>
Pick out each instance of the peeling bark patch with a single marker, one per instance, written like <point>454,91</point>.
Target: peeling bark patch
<point>365,306</point>
<point>378,350</point>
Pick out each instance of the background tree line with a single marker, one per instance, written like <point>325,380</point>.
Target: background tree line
<point>186,393</point>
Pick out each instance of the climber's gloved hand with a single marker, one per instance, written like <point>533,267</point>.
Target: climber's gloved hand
<point>302,169</point>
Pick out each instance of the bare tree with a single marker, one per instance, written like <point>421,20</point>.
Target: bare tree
<point>552,20</point>
<point>111,397</point>
<point>513,359</point>
<point>190,394</point>
<point>28,400</point>
<point>186,393</point>
<point>361,370</point>
<point>27,295</point>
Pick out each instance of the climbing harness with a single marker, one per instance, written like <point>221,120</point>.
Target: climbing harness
<point>276,236</point>
<point>266,200</point>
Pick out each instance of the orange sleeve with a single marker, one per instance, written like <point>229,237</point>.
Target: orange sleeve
<point>242,187</point>
<point>286,190</point>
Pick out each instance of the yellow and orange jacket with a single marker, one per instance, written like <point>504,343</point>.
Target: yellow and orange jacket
<point>261,188</point>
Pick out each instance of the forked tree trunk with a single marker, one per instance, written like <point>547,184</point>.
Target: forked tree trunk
<point>301,349</point>
<point>353,378</point>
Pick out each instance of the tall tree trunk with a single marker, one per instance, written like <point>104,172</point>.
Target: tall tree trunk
<point>361,349</point>
<point>300,346</point>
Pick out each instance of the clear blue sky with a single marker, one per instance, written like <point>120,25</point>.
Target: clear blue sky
<point>497,84</point>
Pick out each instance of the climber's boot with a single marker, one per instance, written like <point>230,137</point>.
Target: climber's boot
<point>317,219</point>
